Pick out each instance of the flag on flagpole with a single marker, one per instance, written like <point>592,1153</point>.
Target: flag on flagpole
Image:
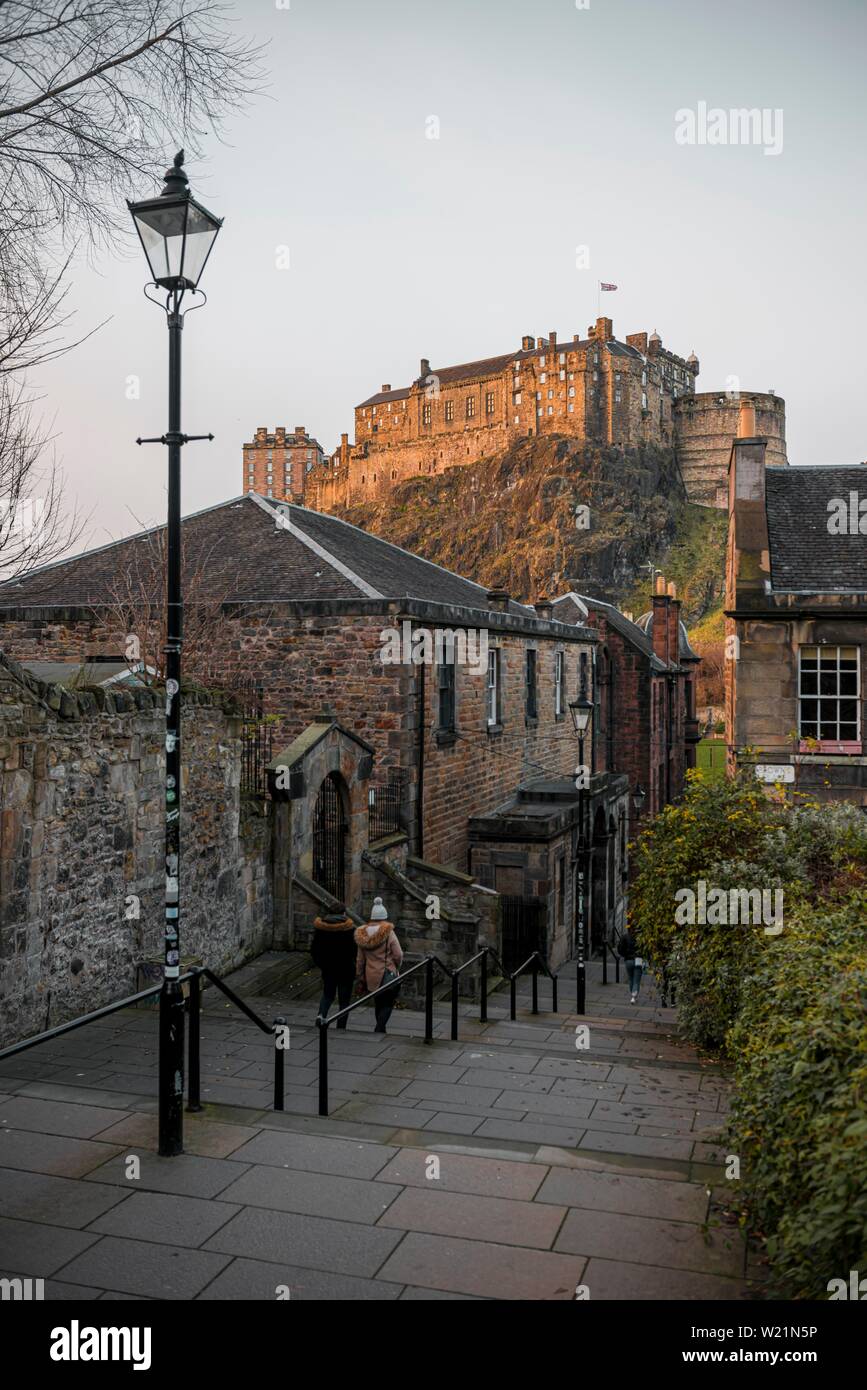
<point>603,286</point>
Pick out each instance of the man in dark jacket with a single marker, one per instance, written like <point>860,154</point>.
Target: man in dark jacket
<point>333,950</point>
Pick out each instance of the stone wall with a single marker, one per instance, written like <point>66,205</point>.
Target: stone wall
<point>706,425</point>
<point>81,846</point>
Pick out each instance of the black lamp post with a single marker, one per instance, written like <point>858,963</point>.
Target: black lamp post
<point>177,235</point>
<point>639,796</point>
<point>581,711</point>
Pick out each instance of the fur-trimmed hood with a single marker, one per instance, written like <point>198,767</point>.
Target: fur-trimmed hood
<point>372,934</point>
<point>345,924</point>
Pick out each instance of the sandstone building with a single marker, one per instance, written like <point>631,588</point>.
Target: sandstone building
<point>796,623</point>
<point>277,465</point>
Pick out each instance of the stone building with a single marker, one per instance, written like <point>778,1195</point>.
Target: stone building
<point>796,623</point>
<point>395,687</point>
<point>276,465</point>
<point>644,680</point>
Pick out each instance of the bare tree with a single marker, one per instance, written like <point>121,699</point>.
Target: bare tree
<point>95,95</point>
<point>132,620</point>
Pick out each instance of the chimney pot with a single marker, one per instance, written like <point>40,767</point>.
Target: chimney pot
<point>746,421</point>
<point>671,589</point>
<point>660,584</point>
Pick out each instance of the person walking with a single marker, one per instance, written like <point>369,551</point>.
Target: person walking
<point>628,948</point>
<point>378,961</point>
<point>333,950</point>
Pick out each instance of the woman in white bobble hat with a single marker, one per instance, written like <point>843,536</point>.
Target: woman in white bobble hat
<point>378,961</point>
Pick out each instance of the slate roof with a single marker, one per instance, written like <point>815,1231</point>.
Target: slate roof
<point>632,632</point>
<point>488,366</point>
<point>685,651</point>
<point>236,552</point>
<point>805,557</point>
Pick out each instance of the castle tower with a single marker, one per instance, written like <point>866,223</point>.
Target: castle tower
<point>707,424</point>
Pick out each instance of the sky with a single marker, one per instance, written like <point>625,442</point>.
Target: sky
<point>434,171</point>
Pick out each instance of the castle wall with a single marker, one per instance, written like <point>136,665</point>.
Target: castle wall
<point>705,427</point>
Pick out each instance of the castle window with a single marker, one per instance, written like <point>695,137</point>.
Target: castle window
<point>373,410</point>
<point>595,376</point>
<point>544,376</point>
<point>562,376</point>
<point>517,381</point>
<point>403,405</point>
<point>489,403</point>
<point>517,419</point>
<point>450,410</point>
<point>539,410</point>
<point>425,414</point>
<point>644,378</point>
<point>517,398</point>
<point>550,410</point>
<point>471,407</point>
<point>617,397</point>
<point>571,390</point>
<point>571,376</point>
<point>446,691</point>
<point>538,395</point>
<point>644,400</point>
<point>269,493</point>
<point>542,361</point>
<point>562,357</point>
<point>558,684</point>
<point>550,395</point>
<point>571,408</point>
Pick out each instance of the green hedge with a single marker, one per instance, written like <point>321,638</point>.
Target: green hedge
<point>788,1011</point>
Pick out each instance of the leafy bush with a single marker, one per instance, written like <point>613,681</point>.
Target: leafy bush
<point>787,1010</point>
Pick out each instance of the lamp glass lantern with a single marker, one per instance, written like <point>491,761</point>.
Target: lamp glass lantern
<point>639,796</point>
<point>582,713</point>
<point>176,234</point>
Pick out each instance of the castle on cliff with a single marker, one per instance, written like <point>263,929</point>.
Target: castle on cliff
<point>597,389</point>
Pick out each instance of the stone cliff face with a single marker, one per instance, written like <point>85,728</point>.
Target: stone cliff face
<point>551,514</point>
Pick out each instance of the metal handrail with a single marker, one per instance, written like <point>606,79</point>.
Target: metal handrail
<point>428,964</point>
<point>106,1009</point>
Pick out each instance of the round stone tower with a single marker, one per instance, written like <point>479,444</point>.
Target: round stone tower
<point>705,426</point>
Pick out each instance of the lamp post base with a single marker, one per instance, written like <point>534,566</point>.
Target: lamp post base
<point>171,1070</point>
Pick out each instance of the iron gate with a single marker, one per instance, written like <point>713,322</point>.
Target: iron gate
<point>329,840</point>
<point>523,922</point>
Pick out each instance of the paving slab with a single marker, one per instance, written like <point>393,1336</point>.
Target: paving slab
<point>39,1250</point>
<point>602,1142</point>
<point>312,1194</point>
<point>99,1096</point>
<point>616,1280</point>
<point>344,1247</point>
<point>501,1220</point>
<point>38,1197</point>
<point>185,1175</point>
<point>51,1153</point>
<point>616,1192</point>
<point>477,1097</point>
<point>54,1117</point>
<point>483,1269</point>
<point>649,1241</point>
<point>530,1132</point>
<point>423,1071</point>
<point>260,1280</point>
<point>145,1269</point>
<point>314,1154</point>
<point>205,1137</point>
<point>485,1060</point>
<point>573,1068</point>
<point>166,1219</point>
<point>565,1108</point>
<point>405,1116</point>
<point>465,1173</point>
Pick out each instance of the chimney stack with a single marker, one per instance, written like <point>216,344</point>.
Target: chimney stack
<point>673,622</point>
<point>386,386</point>
<point>527,343</point>
<point>552,338</point>
<point>498,600</point>
<point>746,421</point>
<point>425,367</point>
<point>544,608</point>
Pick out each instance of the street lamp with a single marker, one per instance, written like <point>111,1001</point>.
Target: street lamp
<point>177,235</point>
<point>639,796</point>
<point>581,711</point>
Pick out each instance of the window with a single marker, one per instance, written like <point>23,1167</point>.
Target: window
<point>550,410</point>
<point>828,688</point>
<point>471,407</point>
<point>489,403</point>
<point>450,410</point>
<point>543,376</point>
<point>517,398</point>
<point>558,684</point>
<point>562,358</point>
<point>425,414</point>
<point>493,693</point>
<point>644,400</point>
<point>531,709</point>
<point>562,376</point>
<point>617,397</point>
<point>446,689</point>
<point>571,390</point>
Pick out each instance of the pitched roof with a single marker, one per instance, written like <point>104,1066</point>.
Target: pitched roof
<point>250,549</point>
<point>805,556</point>
<point>632,632</point>
<point>486,366</point>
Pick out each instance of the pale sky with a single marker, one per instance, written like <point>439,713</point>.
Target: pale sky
<point>556,131</point>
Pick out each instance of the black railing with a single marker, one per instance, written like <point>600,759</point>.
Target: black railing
<point>193,1006</point>
<point>383,810</point>
<point>428,965</point>
<point>257,739</point>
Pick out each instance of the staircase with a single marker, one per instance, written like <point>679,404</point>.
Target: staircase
<point>510,1164</point>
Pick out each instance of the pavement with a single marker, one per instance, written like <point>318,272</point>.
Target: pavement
<point>516,1163</point>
